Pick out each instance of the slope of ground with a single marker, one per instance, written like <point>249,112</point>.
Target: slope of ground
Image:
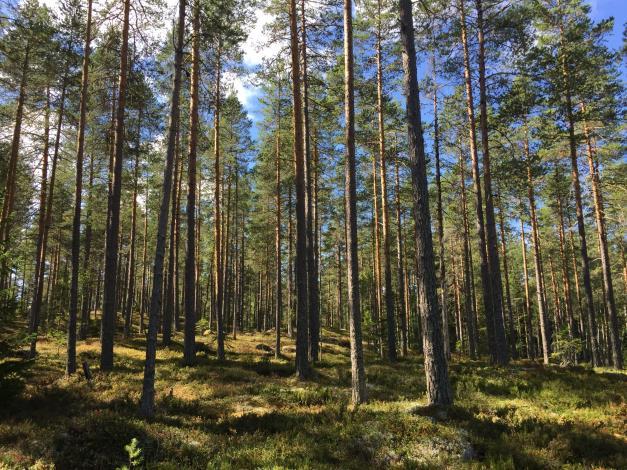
<point>250,412</point>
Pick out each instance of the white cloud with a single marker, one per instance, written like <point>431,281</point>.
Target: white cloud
<point>256,48</point>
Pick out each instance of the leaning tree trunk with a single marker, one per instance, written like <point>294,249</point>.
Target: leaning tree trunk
<point>436,368</point>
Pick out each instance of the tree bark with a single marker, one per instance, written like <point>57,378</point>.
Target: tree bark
<point>357,358</point>
<point>189,348</point>
<point>147,403</point>
<point>484,263</point>
<point>469,305</point>
<point>581,227</point>
<point>10,187</point>
<point>545,326</point>
<point>113,228</point>
<point>70,367</point>
<point>501,355</point>
<point>599,215</point>
<point>402,287</point>
<point>387,265</point>
<point>130,289</point>
<point>440,217</point>
<point>279,286</point>
<point>436,368</point>
<point>303,367</point>
<point>39,266</point>
<point>528,330</point>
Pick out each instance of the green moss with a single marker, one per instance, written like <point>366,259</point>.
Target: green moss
<point>250,412</point>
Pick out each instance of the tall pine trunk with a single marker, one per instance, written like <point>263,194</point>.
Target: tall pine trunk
<point>303,367</point>
<point>354,309</point>
<point>115,194</point>
<point>76,224</point>
<point>599,216</point>
<point>147,403</point>
<point>500,352</point>
<point>436,369</point>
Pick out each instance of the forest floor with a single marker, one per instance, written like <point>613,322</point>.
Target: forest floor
<point>250,412</point>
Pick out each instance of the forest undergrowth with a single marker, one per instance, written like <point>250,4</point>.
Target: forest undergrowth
<point>249,411</point>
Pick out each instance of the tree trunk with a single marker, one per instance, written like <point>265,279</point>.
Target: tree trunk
<point>599,215</point>
<point>501,355</point>
<point>87,268</point>
<point>313,287</point>
<point>279,287</point>
<point>485,272</point>
<point>581,227</point>
<point>469,305</point>
<point>303,367</point>
<point>39,262</point>
<point>42,243</point>
<point>170,295</point>
<point>147,403</point>
<point>189,349</point>
<point>76,224</point>
<point>357,358</point>
<point>219,275</point>
<point>113,228</point>
<point>10,186</point>
<point>436,369</point>
<point>545,332</point>
<point>528,330</point>
<point>440,218</point>
<point>387,265</point>
<point>402,287</point>
<point>130,289</point>
<point>508,297</point>
<point>376,262</point>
